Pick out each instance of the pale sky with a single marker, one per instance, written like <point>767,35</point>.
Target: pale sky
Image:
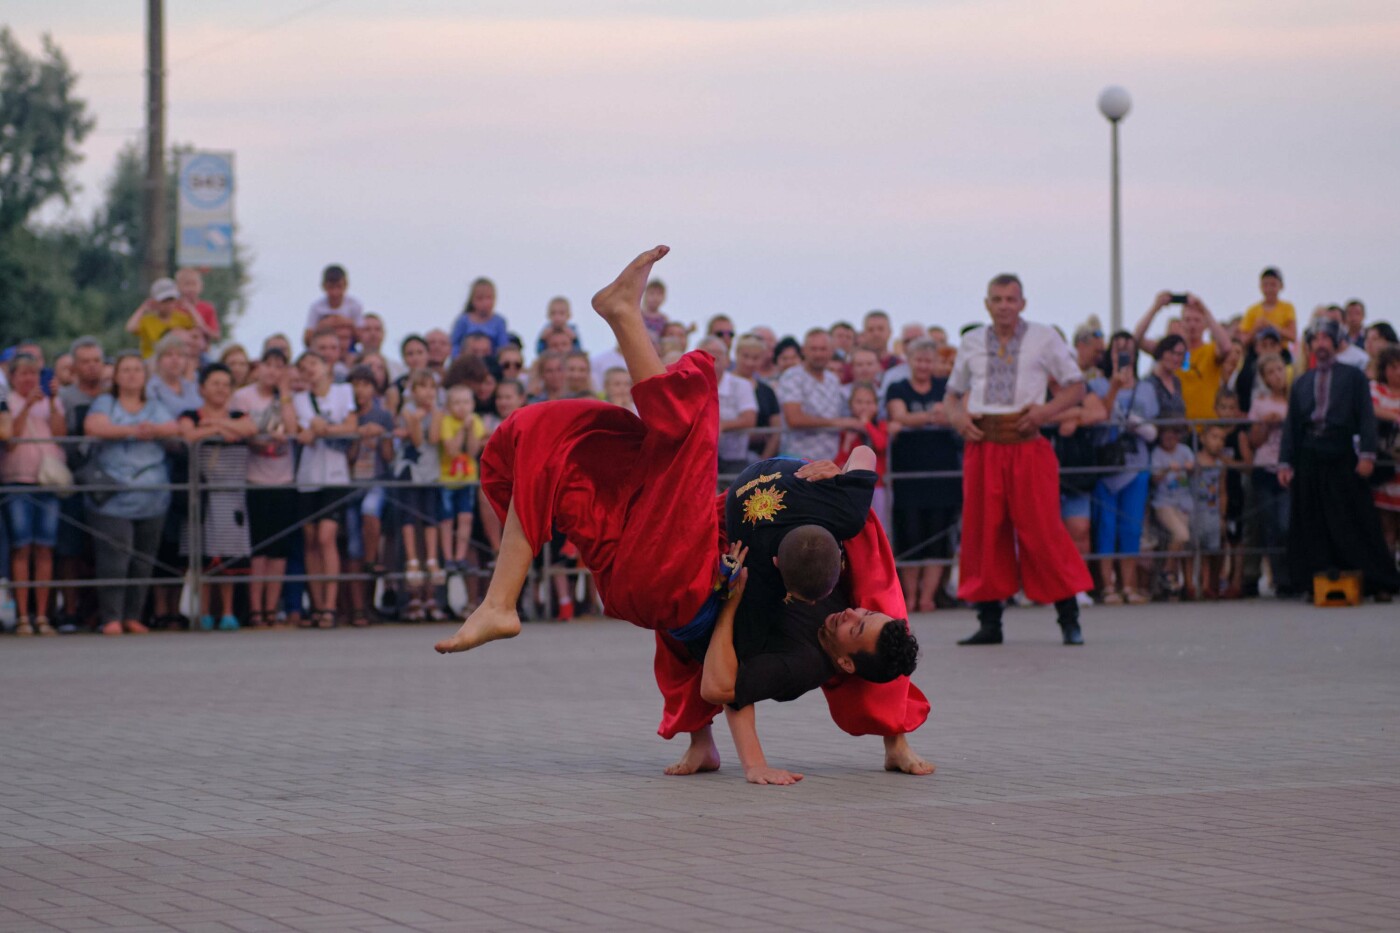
<point>806,161</point>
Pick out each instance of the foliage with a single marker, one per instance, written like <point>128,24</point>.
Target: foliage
<point>80,276</point>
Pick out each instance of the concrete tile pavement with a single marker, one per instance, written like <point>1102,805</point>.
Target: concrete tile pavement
<point>1212,767</point>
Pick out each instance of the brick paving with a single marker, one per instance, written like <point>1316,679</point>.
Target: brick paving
<point>1214,768</point>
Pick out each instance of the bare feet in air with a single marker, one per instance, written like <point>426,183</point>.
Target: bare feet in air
<point>701,756</point>
<point>483,625</point>
<point>624,295</point>
<point>900,757</point>
<point>766,775</point>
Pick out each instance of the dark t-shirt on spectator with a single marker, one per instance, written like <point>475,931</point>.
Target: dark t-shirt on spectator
<point>923,449</point>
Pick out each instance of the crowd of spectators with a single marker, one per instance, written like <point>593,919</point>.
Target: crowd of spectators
<point>326,475</point>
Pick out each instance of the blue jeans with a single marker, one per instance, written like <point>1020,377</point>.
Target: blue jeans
<point>1120,516</point>
<point>32,519</point>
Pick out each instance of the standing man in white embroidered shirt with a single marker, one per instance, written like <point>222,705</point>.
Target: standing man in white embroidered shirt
<point>814,404</point>
<point>1013,536</point>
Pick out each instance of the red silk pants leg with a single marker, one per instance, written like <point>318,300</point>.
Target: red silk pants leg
<point>1013,535</point>
<point>678,678</point>
<point>987,553</point>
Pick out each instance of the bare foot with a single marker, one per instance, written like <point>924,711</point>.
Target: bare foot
<point>900,757</point>
<point>483,625</point>
<point>624,295</point>
<point>701,756</point>
<point>766,775</point>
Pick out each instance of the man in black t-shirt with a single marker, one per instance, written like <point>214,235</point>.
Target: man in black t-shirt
<point>793,629</point>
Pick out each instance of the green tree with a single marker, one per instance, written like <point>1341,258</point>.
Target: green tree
<point>41,125</point>
<point>78,276</point>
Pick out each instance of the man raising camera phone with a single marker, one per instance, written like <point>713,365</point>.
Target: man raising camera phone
<point>1200,373</point>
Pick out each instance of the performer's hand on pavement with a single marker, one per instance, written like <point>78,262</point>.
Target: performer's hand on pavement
<point>1285,476</point>
<point>817,470</point>
<point>767,775</point>
<point>1364,468</point>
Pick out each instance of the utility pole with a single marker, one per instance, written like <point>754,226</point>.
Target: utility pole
<point>157,236</point>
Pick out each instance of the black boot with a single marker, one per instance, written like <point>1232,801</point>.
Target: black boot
<point>1068,610</point>
<point>989,620</point>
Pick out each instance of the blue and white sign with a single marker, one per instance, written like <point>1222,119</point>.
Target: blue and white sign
<point>205,222</point>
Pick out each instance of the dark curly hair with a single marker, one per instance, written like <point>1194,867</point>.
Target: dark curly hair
<point>896,654</point>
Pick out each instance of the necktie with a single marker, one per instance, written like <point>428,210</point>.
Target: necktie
<point>1321,389</point>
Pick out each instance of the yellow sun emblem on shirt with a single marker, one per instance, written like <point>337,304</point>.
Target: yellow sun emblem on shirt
<point>763,505</point>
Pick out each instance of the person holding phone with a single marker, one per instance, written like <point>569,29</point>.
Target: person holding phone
<point>1200,372</point>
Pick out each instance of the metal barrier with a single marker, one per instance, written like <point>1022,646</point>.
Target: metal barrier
<point>198,575</point>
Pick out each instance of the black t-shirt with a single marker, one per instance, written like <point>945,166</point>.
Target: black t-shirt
<point>768,411</point>
<point>762,506</point>
<point>792,662</point>
<point>916,450</point>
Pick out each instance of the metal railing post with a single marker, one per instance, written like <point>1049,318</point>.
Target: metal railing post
<point>196,533</point>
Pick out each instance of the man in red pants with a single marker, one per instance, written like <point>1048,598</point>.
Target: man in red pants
<point>633,494</point>
<point>1013,536</point>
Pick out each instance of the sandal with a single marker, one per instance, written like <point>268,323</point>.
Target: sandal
<point>359,620</point>
<point>23,627</point>
<point>413,573</point>
<point>325,618</point>
<point>42,626</point>
<point>111,628</point>
<point>1137,598</point>
<point>1111,597</point>
<point>135,627</point>
<point>257,620</point>
<point>414,612</point>
<point>436,575</point>
<point>434,612</point>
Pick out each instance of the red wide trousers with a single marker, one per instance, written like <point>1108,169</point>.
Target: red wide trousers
<point>1012,535</point>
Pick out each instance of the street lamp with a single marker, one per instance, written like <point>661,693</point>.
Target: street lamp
<point>1114,103</point>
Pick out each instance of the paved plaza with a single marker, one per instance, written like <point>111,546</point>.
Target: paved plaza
<point>1230,767</point>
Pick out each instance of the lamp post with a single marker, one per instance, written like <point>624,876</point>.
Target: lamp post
<point>1114,103</point>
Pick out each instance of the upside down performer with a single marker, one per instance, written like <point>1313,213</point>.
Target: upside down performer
<point>634,493</point>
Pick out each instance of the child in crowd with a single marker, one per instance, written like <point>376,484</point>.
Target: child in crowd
<point>1270,500</point>
<point>652,300</point>
<point>323,417</point>
<point>462,434</point>
<point>1237,456</point>
<point>191,286</point>
<point>158,315</point>
<point>865,408</point>
<point>419,430</point>
<point>371,455</point>
<point>326,344</point>
<point>617,388</point>
<point>558,314</point>
<point>336,301</point>
<point>510,395</point>
<point>578,376</point>
<point>1209,499</point>
<point>1172,464</point>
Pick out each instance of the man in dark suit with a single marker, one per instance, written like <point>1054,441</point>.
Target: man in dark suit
<point>1334,523</point>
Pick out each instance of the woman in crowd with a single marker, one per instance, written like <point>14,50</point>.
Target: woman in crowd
<point>32,515</point>
<point>1268,496</point>
<point>1120,499</point>
<point>926,510</point>
<point>271,510</point>
<point>127,523</point>
<point>370,456</point>
<point>414,350</point>
<point>479,317</point>
<point>512,363</point>
<point>787,353</point>
<point>324,421</point>
<point>750,353</point>
<point>215,433</point>
<point>239,366</point>
<point>1169,354</point>
<point>1385,395</point>
<point>1378,336</point>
